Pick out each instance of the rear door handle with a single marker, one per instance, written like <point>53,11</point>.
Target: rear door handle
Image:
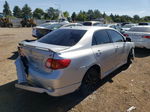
<point>98,53</point>
<point>117,47</point>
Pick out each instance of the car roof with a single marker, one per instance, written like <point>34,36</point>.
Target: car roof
<point>92,22</point>
<point>129,24</point>
<point>71,24</point>
<point>86,28</point>
<point>141,26</point>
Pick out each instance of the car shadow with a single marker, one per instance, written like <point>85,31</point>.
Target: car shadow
<point>14,56</point>
<point>17,100</point>
<point>142,52</point>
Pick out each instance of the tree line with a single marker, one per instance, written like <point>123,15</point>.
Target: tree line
<point>53,14</point>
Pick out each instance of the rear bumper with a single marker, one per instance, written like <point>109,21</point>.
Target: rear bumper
<point>142,44</point>
<point>31,88</point>
<point>55,83</point>
<point>51,92</point>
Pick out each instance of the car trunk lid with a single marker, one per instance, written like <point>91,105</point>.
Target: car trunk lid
<point>37,53</point>
<point>137,36</point>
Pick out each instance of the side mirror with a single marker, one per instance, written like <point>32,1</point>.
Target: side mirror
<point>128,39</point>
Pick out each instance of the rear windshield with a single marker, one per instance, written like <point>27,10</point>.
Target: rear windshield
<point>87,24</point>
<point>63,37</point>
<point>45,25</point>
<point>140,29</point>
<point>54,26</point>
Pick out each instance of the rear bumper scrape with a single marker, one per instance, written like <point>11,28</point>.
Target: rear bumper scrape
<point>51,92</point>
<point>33,89</point>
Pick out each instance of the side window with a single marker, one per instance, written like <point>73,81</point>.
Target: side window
<point>100,37</point>
<point>96,24</point>
<point>78,24</point>
<point>70,25</point>
<point>115,36</point>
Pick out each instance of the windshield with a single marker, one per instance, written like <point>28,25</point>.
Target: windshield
<point>128,26</point>
<point>54,26</point>
<point>63,37</point>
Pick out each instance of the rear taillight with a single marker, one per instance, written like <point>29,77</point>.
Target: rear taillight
<point>148,37</point>
<point>57,63</point>
<point>126,35</point>
<point>20,51</point>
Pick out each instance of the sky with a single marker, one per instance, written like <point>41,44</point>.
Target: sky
<point>121,7</point>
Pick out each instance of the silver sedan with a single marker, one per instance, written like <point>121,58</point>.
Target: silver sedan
<point>70,58</point>
<point>140,35</point>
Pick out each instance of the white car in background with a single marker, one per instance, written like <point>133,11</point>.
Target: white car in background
<point>92,23</point>
<point>115,26</point>
<point>40,31</point>
<point>140,35</point>
<point>127,27</point>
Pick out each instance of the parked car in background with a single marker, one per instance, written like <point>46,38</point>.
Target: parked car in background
<point>127,27</point>
<point>140,35</point>
<point>91,23</point>
<point>124,23</point>
<point>34,30</point>
<point>44,29</point>
<point>72,24</point>
<point>144,23</point>
<point>115,26</point>
<point>59,66</point>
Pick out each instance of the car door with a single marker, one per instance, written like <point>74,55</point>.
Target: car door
<point>104,51</point>
<point>119,43</point>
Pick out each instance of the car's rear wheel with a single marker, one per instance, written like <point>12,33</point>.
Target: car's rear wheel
<point>90,80</point>
<point>130,57</point>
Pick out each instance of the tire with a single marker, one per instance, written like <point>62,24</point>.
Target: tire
<point>10,25</point>
<point>90,81</point>
<point>23,25</point>
<point>130,59</point>
<point>28,25</point>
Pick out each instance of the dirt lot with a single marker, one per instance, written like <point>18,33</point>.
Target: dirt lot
<point>116,93</point>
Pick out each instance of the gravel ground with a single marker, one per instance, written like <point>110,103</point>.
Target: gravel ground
<point>116,93</point>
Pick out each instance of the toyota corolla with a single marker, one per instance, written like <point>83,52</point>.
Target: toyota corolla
<point>65,59</point>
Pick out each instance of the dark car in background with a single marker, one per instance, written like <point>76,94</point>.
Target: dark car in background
<point>144,23</point>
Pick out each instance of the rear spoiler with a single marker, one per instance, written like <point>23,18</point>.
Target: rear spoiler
<point>26,43</point>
